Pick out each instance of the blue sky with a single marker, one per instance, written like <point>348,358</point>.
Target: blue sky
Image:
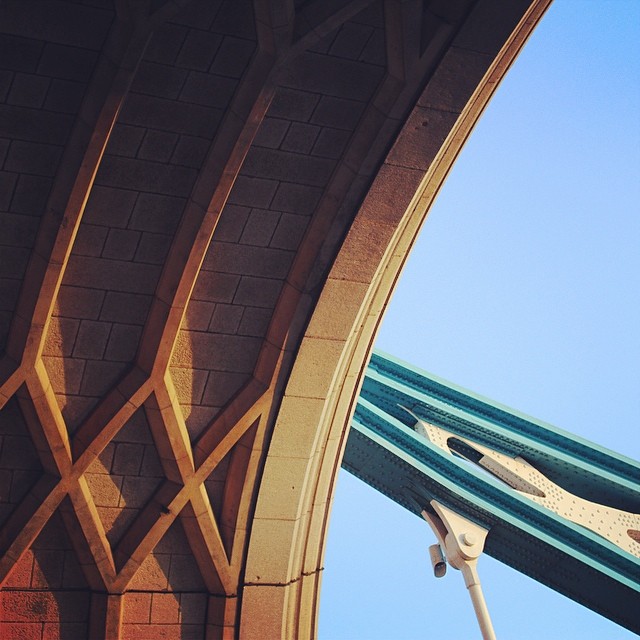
<point>524,286</point>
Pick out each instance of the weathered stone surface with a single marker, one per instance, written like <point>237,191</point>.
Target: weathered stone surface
<point>202,214</point>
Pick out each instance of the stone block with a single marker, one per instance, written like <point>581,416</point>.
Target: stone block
<point>165,43</point>
<point>165,608</point>
<point>127,458</point>
<point>255,321</point>
<point>22,630</point>
<point>290,232</point>
<point>233,56</point>
<point>258,292</point>
<point>455,80</point>
<point>72,576</point>
<point>18,230</point>
<point>296,198</point>
<point>47,569</point>
<point>231,223</point>
<point>20,54</point>
<point>67,63</point>
<point>338,113</point>
<point>61,336</point>
<point>109,206</point>
<point>125,140</point>
<point>267,602</point>
<point>77,25</point>
<point>121,244</point>
<point>198,315</point>
<point>331,143</point>
<point>153,248</point>
<point>28,90</point>
<point>91,340</point>
<point>146,176</point>
<point>221,387</point>
<point>252,192</point>
<point>6,78</point>
<point>292,104</point>
<point>18,453</point>
<point>46,606</point>
<point>159,80</point>
<point>151,466</point>
<point>105,489</point>
<point>33,158</point>
<point>137,491</point>
<point>259,228</point>
<point>63,630</point>
<point>208,90</point>
<point>157,213</point>
<point>100,376</point>
<point>169,115</point>
<point>190,151</point>
<point>337,312</point>
<point>335,77</point>
<point>226,318</point>
<point>20,576</point>
<point>123,343</point>
<point>421,138</point>
<point>30,195</point>
<point>229,353</point>
<point>22,481</point>
<point>124,308</point>
<point>288,167</point>
<point>137,607</point>
<point>212,286</point>
<point>315,368</point>
<point>300,138</point>
<point>64,96</point>
<point>152,574</point>
<point>33,125</point>
<point>90,240</point>
<point>351,40</point>
<point>136,430</point>
<point>7,183</point>
<point>158,146</point>
<point>272,544</point>
<point>112,275</point>
<point>78,302</point>
<point>65,374</point>
<point>184,574</point>
<point>198,50</point>
<point>474,34</point>
<point>271,133</point>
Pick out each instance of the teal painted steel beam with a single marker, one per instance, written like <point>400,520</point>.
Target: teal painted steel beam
<point>385,451</point>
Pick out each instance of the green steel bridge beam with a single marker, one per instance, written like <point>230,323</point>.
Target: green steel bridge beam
<point>525,531</point>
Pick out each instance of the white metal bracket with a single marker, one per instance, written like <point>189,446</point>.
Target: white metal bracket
<point>462,541</point>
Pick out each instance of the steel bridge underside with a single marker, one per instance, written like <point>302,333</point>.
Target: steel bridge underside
<point>385,452</point>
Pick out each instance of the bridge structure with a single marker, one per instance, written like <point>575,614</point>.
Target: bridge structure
<point>205,206</point>
<point>554,506</point>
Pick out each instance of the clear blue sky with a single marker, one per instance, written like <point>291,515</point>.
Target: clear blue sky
<point>524,287</point>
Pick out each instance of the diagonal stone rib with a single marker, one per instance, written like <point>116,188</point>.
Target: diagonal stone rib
<point>201,215</point>
<point>46,424</point>
<point>170,433</point>
<point>11,377</point>
<point>69,194</point>
<point>93,532</point>
<point>317,19</point>
<point>27,521</point>
<point>109,417</point>
<point>145,532</point>
<point>229,426</point>
<point>203,533</point>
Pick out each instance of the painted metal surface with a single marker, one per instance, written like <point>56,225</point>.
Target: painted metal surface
<point>558,508</point>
